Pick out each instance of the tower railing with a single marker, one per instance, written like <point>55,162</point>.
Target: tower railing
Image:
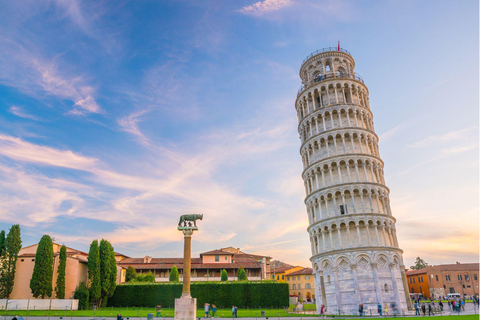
<point>327,77</point>
<point>325,50</point>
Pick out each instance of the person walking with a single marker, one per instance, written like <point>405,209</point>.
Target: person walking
<point>379,309</point>
<point>207,309</point>
<point>214,309</point>
<point>417,309</point>
<point>424,310</point>
<point>462,303</point>
<point>430,313</point>
<point>360,309</point>
<point>449,305</point>
<point>441,305</point>
<point>386,309</point>
<point>159,311</point>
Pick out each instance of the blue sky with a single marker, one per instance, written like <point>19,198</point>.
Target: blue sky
<point>116,117</point>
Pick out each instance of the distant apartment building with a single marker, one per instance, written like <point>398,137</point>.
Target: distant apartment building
<point>301,284</point>
<point>76,271</point>
<point>436,281</point>
<point>207,267</point>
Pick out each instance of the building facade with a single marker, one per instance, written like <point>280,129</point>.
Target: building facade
<point>301,284</point>
<point>208,267</point>
<point>442,279</point>
<point>76,271</point>
<point>355,254</point>
<point>418,284</point>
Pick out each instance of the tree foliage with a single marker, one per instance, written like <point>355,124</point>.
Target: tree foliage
<point>224,276</point>
<point>60,287</point>
<point>82,293</point>
<point>42,276</point>
<point>108,270</point>
<point>131,274</point>
<point>174,277</point>
<point>419,264</point>
<point>94,280</point>
<point>13,244</point>
<point>242,275</point>
<point>2,242</point>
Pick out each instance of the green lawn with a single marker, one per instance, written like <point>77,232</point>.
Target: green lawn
<point>169,313</point>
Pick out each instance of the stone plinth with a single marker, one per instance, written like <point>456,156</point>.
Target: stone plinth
<point>185,308</point>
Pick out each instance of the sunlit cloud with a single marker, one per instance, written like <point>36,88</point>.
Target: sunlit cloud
<point>457,136</point>
<point>262,7</point>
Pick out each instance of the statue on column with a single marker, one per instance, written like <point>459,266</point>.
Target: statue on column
<point>186,306</point>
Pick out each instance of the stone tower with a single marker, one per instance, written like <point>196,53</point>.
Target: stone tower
<point>355,253</point>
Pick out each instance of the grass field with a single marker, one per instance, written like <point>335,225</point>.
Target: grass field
<point>169,313</point>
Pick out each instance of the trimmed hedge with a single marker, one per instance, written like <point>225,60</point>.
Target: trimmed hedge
<point>223,294</point>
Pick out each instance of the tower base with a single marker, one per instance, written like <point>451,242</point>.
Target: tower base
<point>185,308</point>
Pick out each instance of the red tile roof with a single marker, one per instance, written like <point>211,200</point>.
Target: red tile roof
<point>304,271</point>
<point>415,272</point>
<point>215,252</point>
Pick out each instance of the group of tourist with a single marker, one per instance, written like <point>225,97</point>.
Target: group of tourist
<point>210,308</point>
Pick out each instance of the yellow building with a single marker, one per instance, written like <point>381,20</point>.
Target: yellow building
<point>301,284</point>
<point>76,271</point>
<point>279,274</point>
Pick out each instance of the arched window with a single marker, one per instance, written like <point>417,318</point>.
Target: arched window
<point>386,287</point>
<point>294,287</point>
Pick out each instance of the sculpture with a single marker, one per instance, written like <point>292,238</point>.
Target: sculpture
<point>190,218</point>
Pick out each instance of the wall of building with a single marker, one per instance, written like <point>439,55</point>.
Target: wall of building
<point>452,278</point>
<point>23,274</point>
<point>302,286</point>
<point>221,259</point>
<point>418,283</point>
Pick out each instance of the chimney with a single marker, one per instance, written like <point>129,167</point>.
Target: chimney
<point>238,250</point>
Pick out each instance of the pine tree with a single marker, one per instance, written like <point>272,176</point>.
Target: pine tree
<point>2,242</point>
<point>94,280</point>
<point>174,277</point>
<point>13,244</point>
<point>42,276</point>
<point>224,276</point>
<point>60,288</point>
<point>419,264</point>
<point>131,274</point>
<point>242,276</point>
<point>108,270</point>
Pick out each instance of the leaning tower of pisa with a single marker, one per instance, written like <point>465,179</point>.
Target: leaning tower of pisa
<point>355,253</point>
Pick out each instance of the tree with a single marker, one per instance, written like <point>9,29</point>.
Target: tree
<point>419,264</point>
<point>174,277</point>
<point>60,288</point>
<point>224,276</point>
<point>82,294</point>
<point>42,276</point>
<point>94,280</point>
<point>108,270</point>
<point>13,244</point>
<point>2,242</point>
<point>131,274</point>
<point>242,276</point>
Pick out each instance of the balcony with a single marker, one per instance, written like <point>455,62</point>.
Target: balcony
<point>325,50</point>
<point>328,77</point>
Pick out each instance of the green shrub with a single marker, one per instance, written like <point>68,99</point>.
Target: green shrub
<point>131,274</point>
<point>149,277</point>
<point>242,276</point>
<point>242,294</point>
<point>174,277</point>
<point>224,276</point>
<point>82,293</point>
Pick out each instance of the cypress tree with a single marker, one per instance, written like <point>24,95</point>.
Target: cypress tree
<point>60,288</point>
<point>2,242</point>
<point>131,274</point>
<point>13,244</point>
<point>94,280</point>
<point>108,270</point>
<point>224,276</point>
<point>174,277</point>
<point>242,276</point>
<point>42,276</point>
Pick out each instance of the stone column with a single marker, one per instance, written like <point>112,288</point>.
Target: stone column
<point>394,283</point>
<point>405,288</point>
<point>355,282</point>
<point>378,290</point>
<point>187,258</point>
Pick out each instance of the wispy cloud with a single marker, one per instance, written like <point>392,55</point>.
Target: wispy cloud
<point>457,136</point>
<point>392,132</point>
<point>130,125</point>
<point>19,112</point>
<point>261,8</point>
<point>39,77</point>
